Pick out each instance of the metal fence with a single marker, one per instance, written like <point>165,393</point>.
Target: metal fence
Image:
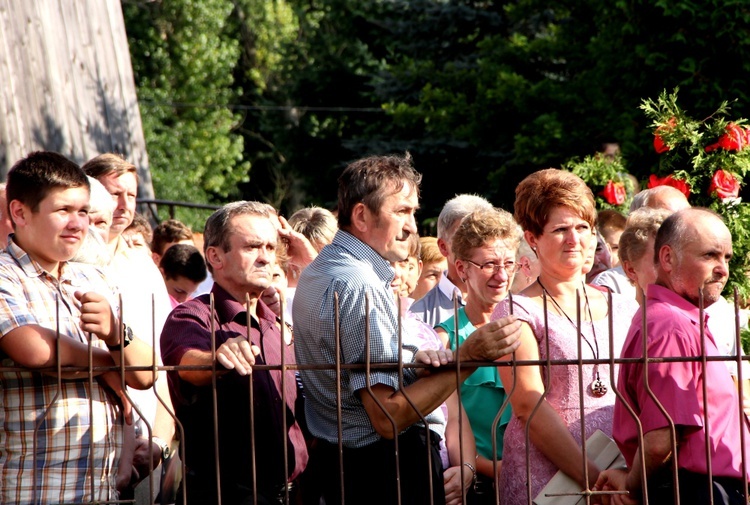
<point>586,494</point>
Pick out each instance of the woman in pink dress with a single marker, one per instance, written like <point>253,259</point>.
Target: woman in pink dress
<point>557,212</point>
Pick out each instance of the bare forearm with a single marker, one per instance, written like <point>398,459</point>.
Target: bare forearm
<point>138,353</point>
<point>550,435</point>
<point>459,442</point>
<point>195,357</point>
<point>426,394</point>
<point>656,454</point>
<point>164,426</point>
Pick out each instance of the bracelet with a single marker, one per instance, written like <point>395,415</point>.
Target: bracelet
<point>473,473</point>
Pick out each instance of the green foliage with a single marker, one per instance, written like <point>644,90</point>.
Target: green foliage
<point>484,89</point>
<point>695,157</point>
<point>183,59</point>
<point>598,172</point>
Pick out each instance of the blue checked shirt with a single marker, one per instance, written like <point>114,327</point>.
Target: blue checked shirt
<point>67,432</point>
<point>354,270</point>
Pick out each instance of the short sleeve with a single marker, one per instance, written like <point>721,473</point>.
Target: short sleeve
<point>675,384</point>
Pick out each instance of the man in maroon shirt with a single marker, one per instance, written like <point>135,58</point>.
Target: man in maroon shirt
<point>240,249</point>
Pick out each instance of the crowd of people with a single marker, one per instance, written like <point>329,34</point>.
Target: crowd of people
<point>339,357</point>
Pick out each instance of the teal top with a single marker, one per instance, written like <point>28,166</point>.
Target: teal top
<point>482,393</point>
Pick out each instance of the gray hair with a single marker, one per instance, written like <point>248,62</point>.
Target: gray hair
<point>642,224</point>
<point>93,250</point>
<point>639,200</point>
<point>317,224</point>
<point>455,210</point>
<point>101,200</point>
<point>218,230</point>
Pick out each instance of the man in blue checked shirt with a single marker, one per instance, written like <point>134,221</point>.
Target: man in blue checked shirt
<point>378,197</point>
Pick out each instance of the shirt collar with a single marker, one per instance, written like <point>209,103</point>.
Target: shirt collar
<point>365,253</point>
<point>229,309</point>
<point>666,295</point>
<point>448,288</point>
<point>33,269</point>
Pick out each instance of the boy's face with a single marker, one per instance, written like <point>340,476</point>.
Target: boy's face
<point>612,238</point>
<point>412,275</point>
<point>55,232</point>
<point>181,288</point>
<point>431,273</point>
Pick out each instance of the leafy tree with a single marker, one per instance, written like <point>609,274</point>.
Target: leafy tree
<point>183,57</point>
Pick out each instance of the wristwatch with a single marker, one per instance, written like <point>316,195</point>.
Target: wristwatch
<point>126,336</point>
<point>165,452</point>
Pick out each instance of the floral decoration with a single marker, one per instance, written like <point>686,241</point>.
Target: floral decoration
<point>707,159</point>
<point>724,185</point>
<point>683,186</point>
<point>614,193</point>
<point>608,179</point>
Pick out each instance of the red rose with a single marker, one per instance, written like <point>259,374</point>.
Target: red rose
<point>735,139</point>
<point>614,193</point>
<point>659,144</point>
<point>724,185</point>
<point>683,186</point>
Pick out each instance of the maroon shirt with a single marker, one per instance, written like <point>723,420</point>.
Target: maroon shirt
<point>189,327</point>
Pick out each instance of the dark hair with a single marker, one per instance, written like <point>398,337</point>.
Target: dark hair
<point>183,260</point>
<point>31,178</point>
<point>106,163</point>
<point>370,180</point>
<point>169,231</point>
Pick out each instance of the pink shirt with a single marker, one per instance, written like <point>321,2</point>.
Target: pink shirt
<point>673,329</point>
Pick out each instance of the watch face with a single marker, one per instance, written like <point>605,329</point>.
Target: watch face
<point>127,335</point>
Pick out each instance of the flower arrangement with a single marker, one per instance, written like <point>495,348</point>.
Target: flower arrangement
<point>610,182</point>
<point>707,160</point>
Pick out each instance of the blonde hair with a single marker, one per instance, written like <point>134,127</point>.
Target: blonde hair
<point>480,227</point>
<point>430,252</point>
<point>641,224</point>
<point>317,224</point>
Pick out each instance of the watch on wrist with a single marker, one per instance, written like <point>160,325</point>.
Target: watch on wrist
<point>163,446</point>
<point>126,336</point>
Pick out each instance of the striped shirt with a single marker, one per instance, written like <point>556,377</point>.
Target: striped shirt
<point>353,270</point>
<point>58,441</point>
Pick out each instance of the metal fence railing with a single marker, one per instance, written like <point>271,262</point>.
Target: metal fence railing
<point>586,495</point>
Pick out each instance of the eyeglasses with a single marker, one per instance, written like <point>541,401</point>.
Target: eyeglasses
<point>492,268</point>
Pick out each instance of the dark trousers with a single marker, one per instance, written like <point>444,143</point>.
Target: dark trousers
<point>370,472</point>
<point>203,492</point>
<point>694,490</point>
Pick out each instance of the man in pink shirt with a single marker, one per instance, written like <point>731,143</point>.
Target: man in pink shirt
<point>692,252</point>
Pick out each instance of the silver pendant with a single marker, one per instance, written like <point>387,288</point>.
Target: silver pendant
<point>598,388</point>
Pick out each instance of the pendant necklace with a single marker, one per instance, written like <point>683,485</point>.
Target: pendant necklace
<point>598,386</point>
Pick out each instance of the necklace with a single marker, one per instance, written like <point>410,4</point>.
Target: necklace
<point>598,386</point>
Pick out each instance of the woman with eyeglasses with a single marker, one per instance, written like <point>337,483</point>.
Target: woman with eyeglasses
<point>485,246</point>
<point>557,212</point>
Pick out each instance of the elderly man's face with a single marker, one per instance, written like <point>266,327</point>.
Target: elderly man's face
<point>388,230</point>
<point>702,261</point>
